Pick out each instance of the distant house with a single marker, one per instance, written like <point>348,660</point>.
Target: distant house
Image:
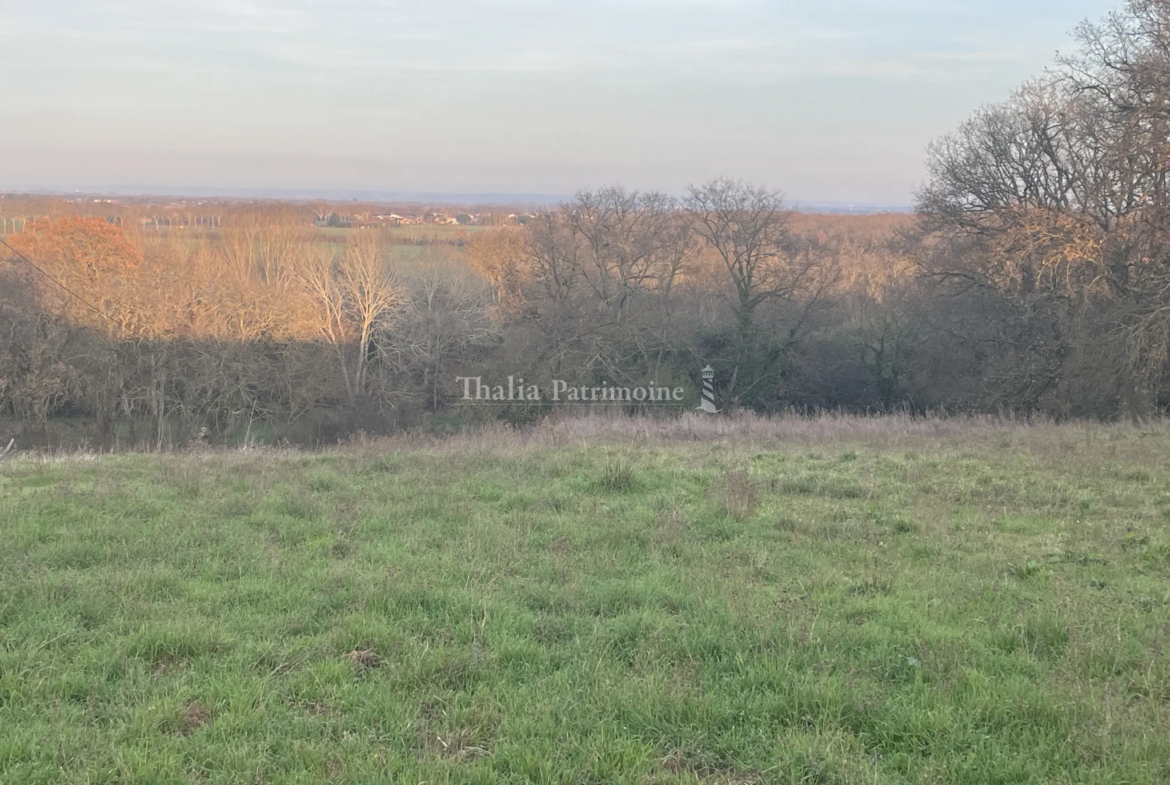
<point>394,219</point>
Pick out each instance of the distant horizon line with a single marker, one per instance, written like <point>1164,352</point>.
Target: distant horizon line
<point>501,198</point>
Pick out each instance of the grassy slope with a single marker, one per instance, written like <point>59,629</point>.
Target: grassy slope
<point>985,608</point>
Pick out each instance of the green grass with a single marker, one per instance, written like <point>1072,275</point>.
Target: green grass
<point>992,609</point>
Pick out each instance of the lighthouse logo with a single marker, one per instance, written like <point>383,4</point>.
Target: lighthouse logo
<point>708,403</point>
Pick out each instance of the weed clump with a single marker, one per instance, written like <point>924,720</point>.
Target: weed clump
<point>618,475</point>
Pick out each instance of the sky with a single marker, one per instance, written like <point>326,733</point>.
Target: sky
<point>826,100</point>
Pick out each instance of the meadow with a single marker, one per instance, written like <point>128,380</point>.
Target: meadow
<point>598,601</point>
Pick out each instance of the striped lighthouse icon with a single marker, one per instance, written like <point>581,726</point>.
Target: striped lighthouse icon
<point>708,404</point>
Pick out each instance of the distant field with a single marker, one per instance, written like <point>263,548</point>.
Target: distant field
<point>828,602</point>
<point>413,234</point>
<point>415,247</point>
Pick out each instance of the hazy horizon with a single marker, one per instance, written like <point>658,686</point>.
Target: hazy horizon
<point>832,104</point>
<point>415,198</point>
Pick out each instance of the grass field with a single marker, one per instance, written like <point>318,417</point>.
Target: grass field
<point>808,602</point>
<point>422,233</point>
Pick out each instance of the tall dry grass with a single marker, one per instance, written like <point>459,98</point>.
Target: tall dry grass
<point>968,434</point>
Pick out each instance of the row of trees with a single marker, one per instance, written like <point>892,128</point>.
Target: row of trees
<point>630,287</point>
<point>1035,277</point>
<point>162,337</point>
<point>1046,219</point>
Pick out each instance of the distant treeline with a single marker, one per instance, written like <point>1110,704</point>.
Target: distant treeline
<point>1035,278</point>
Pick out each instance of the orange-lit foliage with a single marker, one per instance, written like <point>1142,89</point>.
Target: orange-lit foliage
<point>1039,250</point>
<point>866,247</point>
<point>501,256</point>
<point>92,259</point>
<point>169,287</point>
<point>85,248</point>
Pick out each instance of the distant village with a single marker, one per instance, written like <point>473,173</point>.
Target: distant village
<point>423,217</point>
<point>17,210</point>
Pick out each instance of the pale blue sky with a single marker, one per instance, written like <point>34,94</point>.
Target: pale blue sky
<point>829,100</point>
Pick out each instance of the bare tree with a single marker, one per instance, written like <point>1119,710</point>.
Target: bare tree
<point>444,322</point>
<point>503,257</point>
<point>370,299</point>
<point>746,228</point>
<point>602,270</point>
